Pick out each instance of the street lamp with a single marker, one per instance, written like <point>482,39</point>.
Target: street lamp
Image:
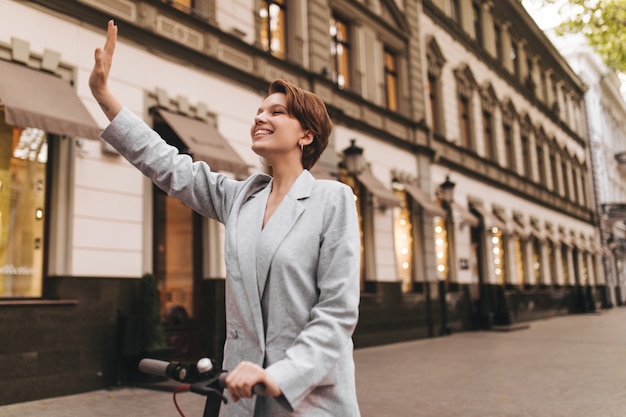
<point>353,158</point>
<point>446,194</point>
<point>446,190</point>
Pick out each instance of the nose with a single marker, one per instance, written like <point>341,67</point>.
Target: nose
<point>259,118</point>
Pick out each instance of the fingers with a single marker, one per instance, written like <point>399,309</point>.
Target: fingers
<point>111,39</point>
<point>241,380</point>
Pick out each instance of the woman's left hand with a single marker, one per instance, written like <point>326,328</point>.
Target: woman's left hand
<point>246,375</point>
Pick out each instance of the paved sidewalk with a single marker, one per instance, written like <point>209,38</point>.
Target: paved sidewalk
<point>570,366</point>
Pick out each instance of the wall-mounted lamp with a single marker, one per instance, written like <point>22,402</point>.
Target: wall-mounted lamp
<point>353,158</point>
<point>446,190</point>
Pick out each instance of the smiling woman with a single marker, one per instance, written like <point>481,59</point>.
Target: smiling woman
<point>292,249</point>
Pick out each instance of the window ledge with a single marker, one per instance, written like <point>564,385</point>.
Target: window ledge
<point>36,302</point>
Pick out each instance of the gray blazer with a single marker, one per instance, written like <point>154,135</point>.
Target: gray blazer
<point>292,287</point>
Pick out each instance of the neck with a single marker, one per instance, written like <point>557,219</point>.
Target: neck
<point>284,175</point>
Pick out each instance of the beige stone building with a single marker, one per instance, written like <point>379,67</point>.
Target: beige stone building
<point>472,175</point>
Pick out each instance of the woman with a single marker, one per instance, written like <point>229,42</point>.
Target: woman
<point>291,245</point>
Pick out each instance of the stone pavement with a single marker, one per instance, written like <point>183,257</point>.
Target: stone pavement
<point>569,366</point>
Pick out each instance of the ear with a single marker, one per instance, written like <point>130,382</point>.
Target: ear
<point>306,139</point>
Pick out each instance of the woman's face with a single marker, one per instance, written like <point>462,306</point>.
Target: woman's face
<point>276,134</point>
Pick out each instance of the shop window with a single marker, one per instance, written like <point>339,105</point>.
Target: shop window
<point>586,279</point>
<point>273,27</point>
<point>391,80</point>
<point>564,263</point>
<point>340,52</point>
<point>553,259</point>
<point>536,246</point>
<point>518,253</point>
<point>403,238</point>
<point>23,185</point>
<point>173,222</point>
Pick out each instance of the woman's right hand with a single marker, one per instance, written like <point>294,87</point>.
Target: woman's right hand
<point>98,80</point>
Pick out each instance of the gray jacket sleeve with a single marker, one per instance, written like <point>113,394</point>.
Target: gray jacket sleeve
<point>208,193</point>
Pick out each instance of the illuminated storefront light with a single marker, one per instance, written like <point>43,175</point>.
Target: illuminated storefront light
<point>498,255</point>
<point>441,248</point>
<point>403,241</point>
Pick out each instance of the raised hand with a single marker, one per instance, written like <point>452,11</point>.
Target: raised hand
<point>98,80</point>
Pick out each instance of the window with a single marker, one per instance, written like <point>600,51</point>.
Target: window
<point>183,5</point>
<point>514,59</point>
<point>490,150</point>
<point>497,33</point>
<point>23,182</point>
<point>340,52</point>
<point>433,100</point>
<point>565,180</point>
<point>391,80</point>
<point>583,192</point>
<point>530,81</point>
<point>488,103</point>
<point>541,166</point>
<point>564,268</point>
<point>435,62</point>
<point>403,238</point>
<point>554,170</point>
<point>465,86</point>
<point>465,125</point>
<point>478,26</point>
<point>455,11</point>
<point>575,183</point>
<point>508,146</point>
<point>526,155</point>
<point>273,27</point>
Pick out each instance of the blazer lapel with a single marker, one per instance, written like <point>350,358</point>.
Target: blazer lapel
<point>249,223</point>
<point>279,225</point>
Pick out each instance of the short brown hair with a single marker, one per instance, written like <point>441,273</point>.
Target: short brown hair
<point>312,114</point>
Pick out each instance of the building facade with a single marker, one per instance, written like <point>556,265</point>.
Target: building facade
<point>606,115</point>
<point>458,125</point>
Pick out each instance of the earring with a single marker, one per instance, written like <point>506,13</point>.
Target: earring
<point>301,148</point>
